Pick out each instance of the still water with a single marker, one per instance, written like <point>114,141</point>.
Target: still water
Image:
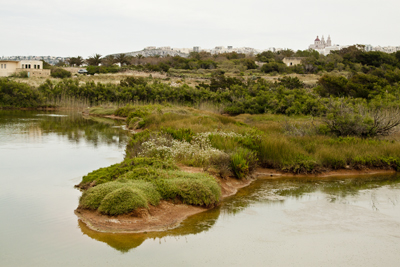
<point>286,222</point>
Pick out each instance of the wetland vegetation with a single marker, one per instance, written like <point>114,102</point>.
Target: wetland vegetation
<point>226,116</point>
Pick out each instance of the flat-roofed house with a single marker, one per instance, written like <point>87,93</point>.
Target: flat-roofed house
<point>34,68</point>
<point>292,61</point>
<point>7,67</point>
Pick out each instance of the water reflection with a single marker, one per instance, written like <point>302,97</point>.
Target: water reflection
<point>268,192</point>
<point>125,242</point>
<point>72,125</point>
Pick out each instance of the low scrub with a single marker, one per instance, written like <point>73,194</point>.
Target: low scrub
<point>21,74</point>
<point>147,185</point>
<point>115,198</point>
<point>243,162</point>
<point>195,153</point>
<point>346,120</point>
<point>102,110</point>
<point>190,188</point>
<point>111,173</point>
<point>60,73</point>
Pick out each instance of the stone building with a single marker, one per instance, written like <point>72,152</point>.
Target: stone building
<point>34,68</point>
<point>292,61</point>
<point>321,44</point>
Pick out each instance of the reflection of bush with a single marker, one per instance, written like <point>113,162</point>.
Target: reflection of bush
<point>124,242</point>
<point>121,242</point>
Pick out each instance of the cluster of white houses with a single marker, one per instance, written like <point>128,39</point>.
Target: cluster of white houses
<point>184,52</point>
<point>33,68</point>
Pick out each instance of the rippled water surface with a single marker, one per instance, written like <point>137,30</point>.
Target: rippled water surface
<point>347,221</point>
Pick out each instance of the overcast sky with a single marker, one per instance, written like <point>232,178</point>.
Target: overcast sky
<point>86,27</point>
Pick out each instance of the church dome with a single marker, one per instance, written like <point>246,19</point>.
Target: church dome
<point>317,40</point>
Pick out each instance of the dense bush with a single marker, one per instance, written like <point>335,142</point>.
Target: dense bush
<point>14,94</point>
<point>346,120</point>
<point>138,185</point>
<point>60,73</point>
<point>102,69</point>
<point>120,197</point>
<point>111,173</point>
<point>21,74</point>
<point>243,162</point>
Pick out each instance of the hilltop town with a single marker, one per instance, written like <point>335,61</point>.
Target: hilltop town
<point>320,45</point>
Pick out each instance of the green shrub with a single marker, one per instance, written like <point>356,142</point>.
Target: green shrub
<point>202,192</point>
<point>274,152</point>
<point>291,82</point>
<point>120,197</point>
<point>91,199</point>
<point>243,162</point>
<point>332,159</point>
<point>122,201</point>
<point>181,134</point>
<point>14,94</point>
<point>132,81</point>
<point>21,74</point>
<point>191,188</point>
<point>60,73</point>
<point>333,85</point>
<point>134,145</point>
<point>148,185</point>
<point>300,164</point>
<point>102,69</point>
<point>343,119</point>
<point>111,173</point>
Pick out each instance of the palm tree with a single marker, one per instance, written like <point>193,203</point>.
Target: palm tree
<point>139,57</point>
<point>122,59</point>
<point>94,60</point>
<point>108,60</point>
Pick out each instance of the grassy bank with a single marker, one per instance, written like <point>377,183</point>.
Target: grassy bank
<point>230,115</point>
<point>223,146</point>
<point>294,144</point>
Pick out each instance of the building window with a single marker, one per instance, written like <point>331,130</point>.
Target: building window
<point>34,66</point>
<point>1,65</point>
<point>38,66</point>
<point>5,66</point>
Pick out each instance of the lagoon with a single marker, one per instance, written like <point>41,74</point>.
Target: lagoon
<point>345,221</point>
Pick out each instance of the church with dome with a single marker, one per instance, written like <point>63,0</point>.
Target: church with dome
<point>321,44</point>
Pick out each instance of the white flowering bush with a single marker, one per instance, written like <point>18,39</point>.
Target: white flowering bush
<point>157,146</point>
<point>197,153</point>
<point>221,134</point>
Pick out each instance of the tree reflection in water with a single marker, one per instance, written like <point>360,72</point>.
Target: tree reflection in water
<point>72,125</point>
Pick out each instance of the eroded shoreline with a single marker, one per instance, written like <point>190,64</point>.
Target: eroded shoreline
<point>168,215</point>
